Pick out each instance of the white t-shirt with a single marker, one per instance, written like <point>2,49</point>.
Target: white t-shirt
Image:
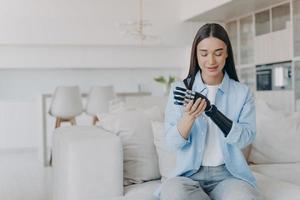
<point>213,155</point>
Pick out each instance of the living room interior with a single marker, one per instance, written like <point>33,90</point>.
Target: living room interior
<point>135,48</point>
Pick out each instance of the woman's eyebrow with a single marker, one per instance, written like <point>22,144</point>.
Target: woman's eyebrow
<point>220,49</point>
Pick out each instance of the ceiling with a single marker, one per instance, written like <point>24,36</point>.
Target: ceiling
<point>234,9</point>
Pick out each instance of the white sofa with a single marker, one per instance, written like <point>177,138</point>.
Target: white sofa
<point>94,163</point>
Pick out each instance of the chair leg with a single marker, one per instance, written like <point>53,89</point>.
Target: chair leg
<point>73,121</point>
<point>95,120</point>
<point>50,161</point>
<point>58,122</point>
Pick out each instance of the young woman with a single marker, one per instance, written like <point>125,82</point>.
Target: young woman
<point>210,132</point>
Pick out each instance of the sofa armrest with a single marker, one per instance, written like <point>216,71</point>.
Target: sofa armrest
<point>87,164</point>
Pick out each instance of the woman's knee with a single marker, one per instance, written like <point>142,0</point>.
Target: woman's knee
<point>234,189</point>
<point>177,188</point>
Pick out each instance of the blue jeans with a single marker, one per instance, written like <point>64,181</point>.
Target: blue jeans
<point>209,183</point>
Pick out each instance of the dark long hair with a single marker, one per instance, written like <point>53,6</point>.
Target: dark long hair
<point>210,30</point>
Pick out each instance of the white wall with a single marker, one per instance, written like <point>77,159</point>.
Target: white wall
<point>87,22</point>
<point>75,34</point>
<point>18,124</point>
<point>192,8</point>
<point>86,56</point>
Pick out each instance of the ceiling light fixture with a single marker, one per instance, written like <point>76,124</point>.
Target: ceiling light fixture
<point>136,28</point>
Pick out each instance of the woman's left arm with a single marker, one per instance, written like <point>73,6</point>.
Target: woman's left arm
<point>243,130</point>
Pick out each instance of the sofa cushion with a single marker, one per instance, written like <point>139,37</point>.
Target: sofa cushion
<point>140,158</point>
<point>270,188</point>
<point>154,113</point>
<point>151,109</point>
<point>144,191</point>
<point>138,103</point>
<point>146,102</point>
<point>289,172</point>
<point>166,158</point>
<point>277,139</point>
<point>274,189</point>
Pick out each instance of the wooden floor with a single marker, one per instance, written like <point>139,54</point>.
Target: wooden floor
<point>22,177</point>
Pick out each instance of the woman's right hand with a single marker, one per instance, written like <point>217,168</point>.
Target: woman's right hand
<point>191,112</point>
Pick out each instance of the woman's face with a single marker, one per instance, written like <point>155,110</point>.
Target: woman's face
<point>211,55</point>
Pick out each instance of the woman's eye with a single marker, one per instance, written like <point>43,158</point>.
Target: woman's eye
<point>218,54</point>
<point>203,54</point>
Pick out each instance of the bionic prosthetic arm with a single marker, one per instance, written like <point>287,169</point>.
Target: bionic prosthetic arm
<point>182,96</point>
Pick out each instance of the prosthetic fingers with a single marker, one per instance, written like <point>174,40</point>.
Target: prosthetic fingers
<point>182,96</point>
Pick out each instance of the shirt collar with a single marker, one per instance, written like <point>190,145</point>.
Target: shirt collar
<point>200,86</point>
<point>224,87</point>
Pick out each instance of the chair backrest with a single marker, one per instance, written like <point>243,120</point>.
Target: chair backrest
<point>98,99</point>
<point>66,102</point>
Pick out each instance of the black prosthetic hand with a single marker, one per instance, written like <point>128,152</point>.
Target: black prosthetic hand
<point>183,96</point>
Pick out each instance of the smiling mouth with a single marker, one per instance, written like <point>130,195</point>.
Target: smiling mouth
<point>212,68</point>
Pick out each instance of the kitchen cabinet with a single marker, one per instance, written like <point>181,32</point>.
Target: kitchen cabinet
<point>269,36</point>
<point>262,23</point>
<point>233,35</point>
<point>281,17</point>
<point>246,40</point>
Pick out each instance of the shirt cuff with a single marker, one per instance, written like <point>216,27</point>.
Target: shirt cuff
<point>180,140</point>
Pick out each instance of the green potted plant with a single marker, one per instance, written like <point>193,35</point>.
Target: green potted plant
<point>166,82</point>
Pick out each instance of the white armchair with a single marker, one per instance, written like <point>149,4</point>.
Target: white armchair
<point>87,164</point>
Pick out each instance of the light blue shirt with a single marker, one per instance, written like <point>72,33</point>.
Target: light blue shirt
<point>233,99</point>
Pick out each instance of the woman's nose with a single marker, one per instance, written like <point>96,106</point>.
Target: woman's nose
<point>211,60</point>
